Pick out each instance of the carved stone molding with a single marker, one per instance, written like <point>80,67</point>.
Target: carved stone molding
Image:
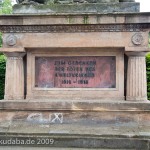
<point>74,28</point>
<point>15,55</point>
<point>137,39</point>
<point>15,58</point>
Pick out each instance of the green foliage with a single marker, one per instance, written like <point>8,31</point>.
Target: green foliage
<point>5,7</point>
<point>149,41</point>
<point>148,70</point>
<point>2,75</point>
<point>0,39</point>
<point>148,74</point>
<point>2,71</point>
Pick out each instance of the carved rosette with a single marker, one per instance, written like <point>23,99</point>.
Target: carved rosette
<point>137,39</point>
<point>11,40</point>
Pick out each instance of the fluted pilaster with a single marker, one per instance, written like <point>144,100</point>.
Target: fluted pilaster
<point>136,76</point>
<point>14,82</point>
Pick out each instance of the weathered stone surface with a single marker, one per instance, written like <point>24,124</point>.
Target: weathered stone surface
<point>14,69</point>
<point>82,141</point>
<point>102,1</point>
<point>76,105</point>
<point>136,76</point>
<point>81,118</point>
<point>99,128</point>
<point>126,0</point>
<point>91,142</point>
<point>97,118</point>
<point>119,22</point>
<point>65,1</point>
<point>71,1</point>
<point>76,8</point>
<point>114,34</point>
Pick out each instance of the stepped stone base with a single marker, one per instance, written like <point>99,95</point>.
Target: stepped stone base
<point>76,8</point>
<point>85,141</point>
<point>73,124</point>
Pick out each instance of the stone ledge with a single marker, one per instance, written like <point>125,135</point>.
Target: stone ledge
<point>12,50</point>
<point>119,124</point>
<point>74,19</point>
<point>76,8</point>
<point>70,105</point>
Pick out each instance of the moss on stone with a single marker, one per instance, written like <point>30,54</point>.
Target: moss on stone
<point>70,19</point>
<point>86,19</point>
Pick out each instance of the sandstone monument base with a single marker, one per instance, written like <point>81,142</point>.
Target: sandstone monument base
<point>75,124</point>
<point>76,80</point>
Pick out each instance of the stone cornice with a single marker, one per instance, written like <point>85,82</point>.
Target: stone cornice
<point>74,28</point>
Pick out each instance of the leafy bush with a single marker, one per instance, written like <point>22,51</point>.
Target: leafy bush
<point>5,7</point>
<point>148,74</point>
<point>2,71</point>
<point>2,75</point>
<point>0,39</point>
<point>148,71</point>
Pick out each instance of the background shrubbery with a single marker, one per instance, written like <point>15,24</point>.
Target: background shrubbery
<point>148,71</point>
<point>5,7</point>
<point>148,74</point>
<point>2,71</point>
<point>2,75</point>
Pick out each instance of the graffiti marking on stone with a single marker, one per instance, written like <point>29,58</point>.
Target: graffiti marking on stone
<point>57,118</point>
<point>45,119</point>
<point>34,117</point>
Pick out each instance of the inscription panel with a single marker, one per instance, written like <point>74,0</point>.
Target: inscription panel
<point>75,72</point>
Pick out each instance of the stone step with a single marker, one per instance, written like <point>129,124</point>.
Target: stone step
<point>71,130</point>
<point>74,141</point>
<point>74,105</point>
<point>108,125</point>
<point>103,118</point>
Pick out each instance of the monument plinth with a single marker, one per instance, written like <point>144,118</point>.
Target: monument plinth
<point>76,79</point>
<point>76,6</point>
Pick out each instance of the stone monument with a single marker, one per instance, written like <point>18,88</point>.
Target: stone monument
<point>76,74</point>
